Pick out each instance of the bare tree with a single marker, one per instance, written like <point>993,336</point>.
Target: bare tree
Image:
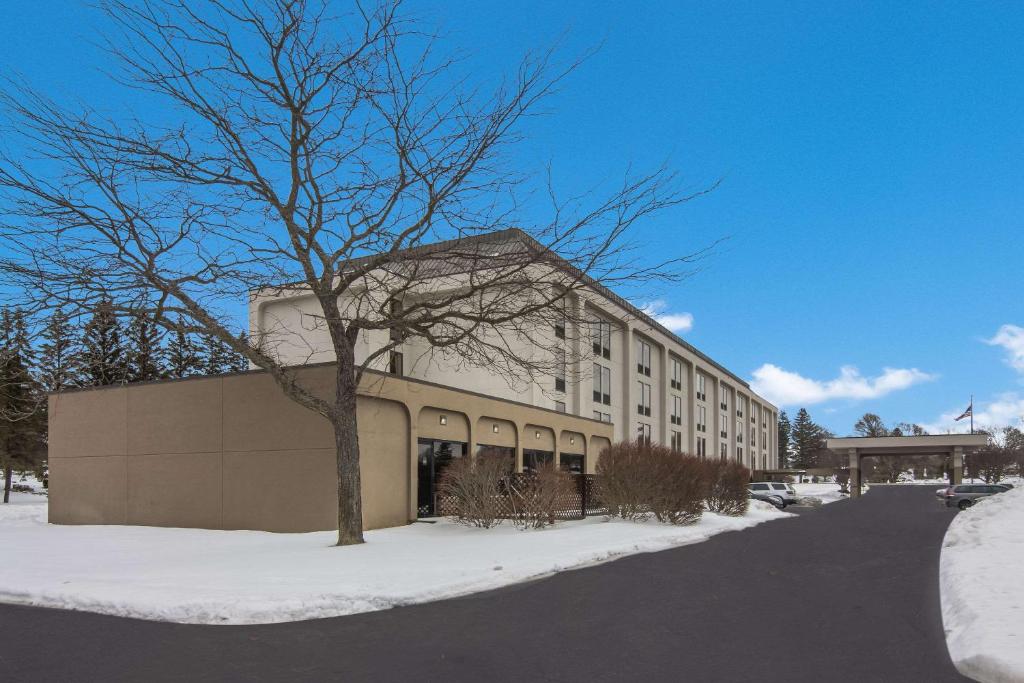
<point>302,151</point>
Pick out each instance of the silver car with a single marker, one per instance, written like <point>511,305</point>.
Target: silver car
<point>963,495</point>
<point>763,489</point>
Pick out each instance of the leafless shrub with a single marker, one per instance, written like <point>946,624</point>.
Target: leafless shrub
<point>639,480</point>
<point>536,498</point>
<point>727,491</point>
<point>472,488</point>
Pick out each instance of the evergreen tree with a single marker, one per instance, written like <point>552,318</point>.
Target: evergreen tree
<point>59,362</point>
<point>218,358</point>
<point>785,431</point>
<point>104,359</point>
<point>808,440</point>
<point>21,417</point>
<point>145,354</point>
<point>183,359</point>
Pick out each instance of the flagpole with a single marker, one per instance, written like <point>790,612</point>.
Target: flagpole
<point>972,413</point>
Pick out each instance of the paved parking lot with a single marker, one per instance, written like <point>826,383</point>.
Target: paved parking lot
<point>846,592</point>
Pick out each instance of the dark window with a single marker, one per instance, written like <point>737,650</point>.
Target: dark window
<point>559,384</point>
<point>533,458</point>
<point>396,364</point>
<point>571,462</point>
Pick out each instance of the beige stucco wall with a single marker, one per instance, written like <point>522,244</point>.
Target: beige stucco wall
<point>232,452</point>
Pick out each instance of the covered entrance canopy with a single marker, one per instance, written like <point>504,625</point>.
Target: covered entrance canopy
<point>954,445</point>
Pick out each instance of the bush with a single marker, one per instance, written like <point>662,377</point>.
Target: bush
<point>535,498</point>
<point>472,490</point>
<point>727,493</point>
<point>638,480</point>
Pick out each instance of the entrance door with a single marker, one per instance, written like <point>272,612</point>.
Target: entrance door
<point>433,456</point>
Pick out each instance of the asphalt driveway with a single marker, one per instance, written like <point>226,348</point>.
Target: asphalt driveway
<point>847,592</point>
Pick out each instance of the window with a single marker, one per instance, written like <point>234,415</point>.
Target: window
<point>644,406</point>
<point>677,375</point>
<point>560,328</point>
<point>724,426</point>
<point>560,371</point>
<point>723,451</point>
<point>643,432</point>
<point>602,417</point>
<point>602,338</point>
<point>739,431</point>
<point>702,447</point>
<point>739,454</point>
<point>643,358</point>
<point>602,385</point>
<point>724,400</point>
<point>702,419</point>
<point>739,407</point>
<point>677,411</point>
<point>560,406</point>
<point>677,441</point>
<point>753,436</point>
<point>396,364</point>
<point>701,387</point>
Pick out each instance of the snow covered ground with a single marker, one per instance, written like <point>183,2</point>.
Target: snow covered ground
<point>982,600</point>
<point>826,493</point>
<point>249,577</point>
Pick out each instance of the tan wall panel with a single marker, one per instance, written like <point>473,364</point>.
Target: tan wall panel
<point>87,490</point>
<point>175,417</point>
<point>287,491</point>
<point>430,427</point>
<point>384,459</point>
<point>88,423</point>
<point>546,442</point>
<point>175,489</point>
<point>258,416</point>
<point>505,436</point>
<point>597,444</point>
<point>572,442</point>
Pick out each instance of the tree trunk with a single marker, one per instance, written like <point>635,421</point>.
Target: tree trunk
<point>346,440</point>
<point>8,475</point>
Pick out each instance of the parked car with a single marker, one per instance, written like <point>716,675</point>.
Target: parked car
<point>963,496</point>
<point>785,492</point>
<point>768,497</point>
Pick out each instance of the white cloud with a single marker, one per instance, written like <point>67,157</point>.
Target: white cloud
<point>1006,410</point>
<point>1011,338</point>
<point>787,388</point>
<point>677,322</point>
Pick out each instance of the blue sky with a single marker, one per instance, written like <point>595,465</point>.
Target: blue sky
<point>872,159</point>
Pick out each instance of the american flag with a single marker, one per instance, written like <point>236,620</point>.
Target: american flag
<point>967,413</point>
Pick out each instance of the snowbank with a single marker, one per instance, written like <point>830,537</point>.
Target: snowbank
<point>826,493</point>
<point>249,577</point>
<point>982,601</point>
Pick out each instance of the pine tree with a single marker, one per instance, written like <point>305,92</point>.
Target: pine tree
<point>145,354</point>
<point>21,416</point>
<point>785,431</point>
<point>104,359</point>
<point>59,362</point>
<point>218,358</point>
<point>183,359</point>
<point>808,440</point>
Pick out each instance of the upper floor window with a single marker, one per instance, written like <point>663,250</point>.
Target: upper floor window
<point>677,375</point>
<point>701,387</point>
<point>602,385</point>
<point>724,426</point>
<point>739,406</point>
<point>602,417</point>
<point>644,406</point>
<point>702,419</point>
<point>724,400</point>
<point>723,451</point>
<point>643,432</point>
<point>739,431</point>
<point>560,370</point>
<point>602,338</point>
<point>643,358</point>
<point>560,406</point>
<point>677,441</point>
<point>396,363</point>
<point>677,411</point>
